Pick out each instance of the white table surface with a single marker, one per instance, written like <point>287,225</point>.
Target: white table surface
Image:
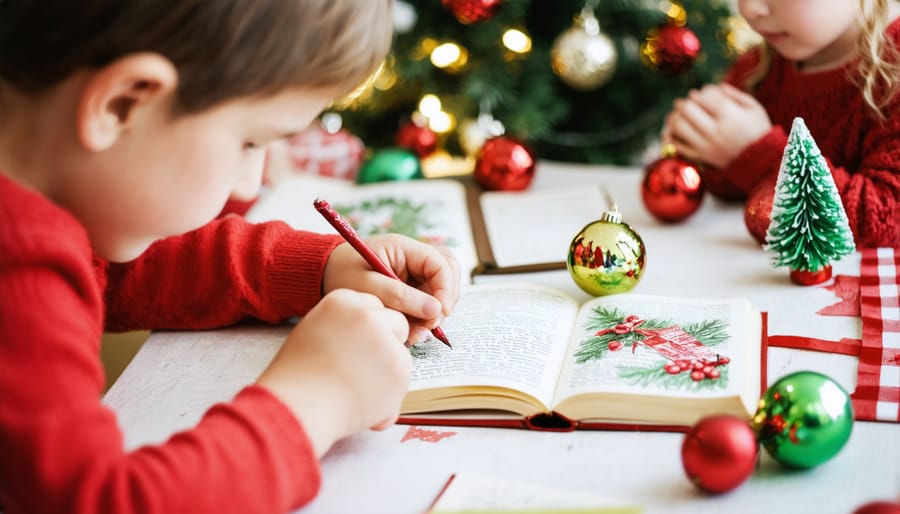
<point>177,376</point>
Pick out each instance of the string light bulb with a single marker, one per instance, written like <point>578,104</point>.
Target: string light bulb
<point>449,56</point>
<point>516,41</point>
<point>429,105</point>
<point>441,122</point>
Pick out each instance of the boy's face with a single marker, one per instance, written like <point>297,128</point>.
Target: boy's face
<point>819,33</point>
<point>172,175</point>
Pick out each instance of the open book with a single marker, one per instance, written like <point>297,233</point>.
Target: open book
<point>529,356</point>
<point>488,232</point>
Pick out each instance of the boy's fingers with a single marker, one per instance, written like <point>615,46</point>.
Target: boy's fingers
<point>407,299</point>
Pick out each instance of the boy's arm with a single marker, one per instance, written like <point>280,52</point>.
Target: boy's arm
<point>63,450</point>
<point>217,275</point>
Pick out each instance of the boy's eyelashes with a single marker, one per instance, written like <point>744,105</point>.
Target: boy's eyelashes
<point>250,145</point>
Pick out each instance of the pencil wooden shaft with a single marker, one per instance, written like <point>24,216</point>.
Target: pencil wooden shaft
<point>351,236</point>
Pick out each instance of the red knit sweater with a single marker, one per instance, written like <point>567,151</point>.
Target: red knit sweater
<point>862,151</point>
<point>61,450</point>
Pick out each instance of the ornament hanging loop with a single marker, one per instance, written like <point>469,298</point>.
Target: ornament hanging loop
<point>588,20</point>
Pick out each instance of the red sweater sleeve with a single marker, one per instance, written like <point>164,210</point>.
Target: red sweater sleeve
<point>871,192</point>
<point>862,151</point>
<point>61,448</point>
<point>217,275</point>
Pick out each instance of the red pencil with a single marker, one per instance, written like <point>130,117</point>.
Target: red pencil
<point>350,235</point>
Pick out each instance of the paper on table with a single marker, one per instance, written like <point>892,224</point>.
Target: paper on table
<point>476,493</point>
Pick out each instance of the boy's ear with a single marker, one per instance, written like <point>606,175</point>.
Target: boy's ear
<point>116,95</point>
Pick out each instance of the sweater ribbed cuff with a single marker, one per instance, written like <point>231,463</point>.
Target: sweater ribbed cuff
<point>296,269</point>
<point>758,160</point>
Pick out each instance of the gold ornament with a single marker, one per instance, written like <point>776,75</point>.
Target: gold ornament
<point>582,56</point>
<point>607,256</point>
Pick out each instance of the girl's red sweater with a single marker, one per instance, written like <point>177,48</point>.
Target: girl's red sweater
<point>862,151</point>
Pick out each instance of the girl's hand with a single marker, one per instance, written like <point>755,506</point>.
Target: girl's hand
<point>715,124</point>
<point>430,279</point>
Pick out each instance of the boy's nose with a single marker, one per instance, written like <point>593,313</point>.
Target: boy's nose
<point>249,182</point>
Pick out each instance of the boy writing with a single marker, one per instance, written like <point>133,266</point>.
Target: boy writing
<point>123,131</point>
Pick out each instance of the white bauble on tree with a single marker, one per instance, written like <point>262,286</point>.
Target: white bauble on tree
<point>584,57</point>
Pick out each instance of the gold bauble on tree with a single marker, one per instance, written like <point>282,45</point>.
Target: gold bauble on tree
<point>607,256</point>
<point>584,57</point>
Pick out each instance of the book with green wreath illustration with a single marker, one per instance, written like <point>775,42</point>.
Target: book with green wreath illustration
<point>530,356</point>
<point>488,232</point>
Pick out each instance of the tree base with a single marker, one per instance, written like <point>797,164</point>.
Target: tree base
<point>810,278</point>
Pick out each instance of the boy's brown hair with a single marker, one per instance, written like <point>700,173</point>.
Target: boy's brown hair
<point>222,49</point>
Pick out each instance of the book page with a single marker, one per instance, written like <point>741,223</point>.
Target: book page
<point>430,210</point>
<point>537,227</point>
<point>472,493</point>
<point>505,335</point>
<point>663,347</point>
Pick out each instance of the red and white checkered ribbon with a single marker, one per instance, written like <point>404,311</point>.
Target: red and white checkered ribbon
<point>877,395</point>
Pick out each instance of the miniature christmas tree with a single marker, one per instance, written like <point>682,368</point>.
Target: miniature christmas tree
<point>809,228</point>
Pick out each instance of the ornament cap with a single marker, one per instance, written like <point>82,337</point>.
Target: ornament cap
<point>668,150</point>
<point>611,217</point>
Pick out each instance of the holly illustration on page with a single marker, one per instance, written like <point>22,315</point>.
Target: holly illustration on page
<point>684,355</point>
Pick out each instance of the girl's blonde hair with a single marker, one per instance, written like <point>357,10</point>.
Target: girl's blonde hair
<point>878,60</point>
<point>222,49</point>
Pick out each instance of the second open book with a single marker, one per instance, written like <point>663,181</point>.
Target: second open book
<point>530,356</point>
<point>483,229</point>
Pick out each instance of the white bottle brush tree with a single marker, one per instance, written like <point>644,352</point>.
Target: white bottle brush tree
<point>809,228</point>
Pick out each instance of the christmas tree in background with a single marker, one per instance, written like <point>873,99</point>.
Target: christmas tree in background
<point>579,81</point>
<point>809,228</point>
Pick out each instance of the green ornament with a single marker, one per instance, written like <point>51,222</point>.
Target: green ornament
<point>390,164</point>
<point>607,256</point>
<point>804,419</point>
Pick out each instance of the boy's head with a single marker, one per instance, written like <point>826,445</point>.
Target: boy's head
<point>221,49</point>
<point>141,117</point>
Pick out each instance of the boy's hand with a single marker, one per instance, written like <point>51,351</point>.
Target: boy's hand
<point>343,368</point>
<point>715,124</point>
<point>430,279</point>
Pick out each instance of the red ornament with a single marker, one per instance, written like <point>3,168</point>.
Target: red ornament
<point>810,278</point>
<point>879,507</point>
<point>676,49</point>
<point>719,453</point>
<point>419,139</point>
<point>472,11</point>
<point>758,210</point>
<point>504,164</point>
<point>615,346</point>
<point>672,189</point>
